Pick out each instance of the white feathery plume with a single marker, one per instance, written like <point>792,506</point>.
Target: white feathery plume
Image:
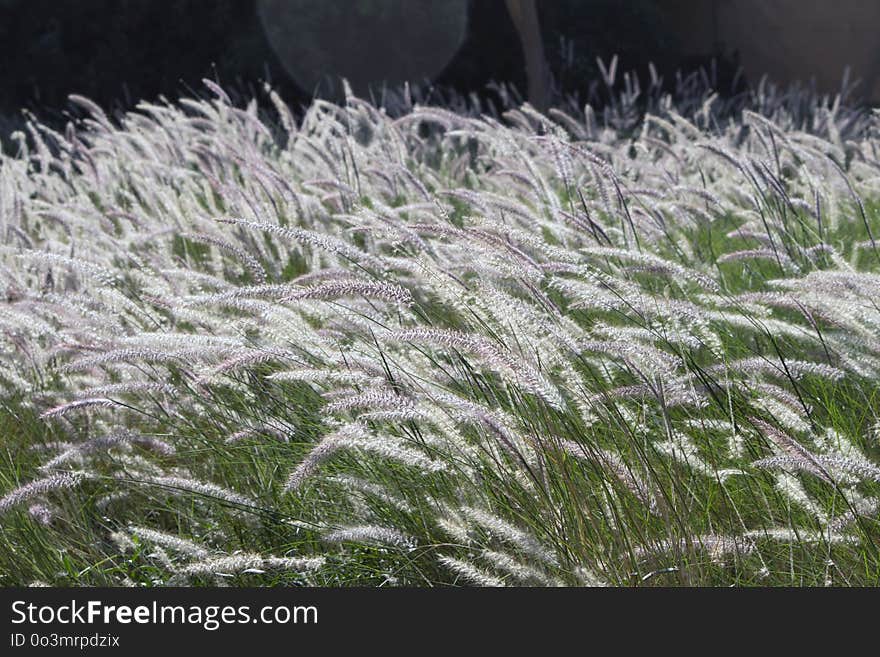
<point>505,531</point>
<point>470,573</point>
<point>369,534</point>
<point>48,484</point>
<point>163,539</point>
<point>183,484</point>
<point>249,563</point>
<point>79,404</point>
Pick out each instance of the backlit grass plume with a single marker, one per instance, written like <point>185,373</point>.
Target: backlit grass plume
<point>426,345</point>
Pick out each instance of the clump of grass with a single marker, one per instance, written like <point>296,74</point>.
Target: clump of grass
<point>440,348</point>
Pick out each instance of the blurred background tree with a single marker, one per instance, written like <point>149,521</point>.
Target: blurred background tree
<point>371,43</point>
<point>524,14</point>
<point>120,51</point>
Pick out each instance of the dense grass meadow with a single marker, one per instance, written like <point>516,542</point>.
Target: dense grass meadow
<point>443,343</point>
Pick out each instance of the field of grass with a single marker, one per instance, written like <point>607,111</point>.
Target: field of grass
<point>443,345</point>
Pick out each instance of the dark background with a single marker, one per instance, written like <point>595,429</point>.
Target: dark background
<point>120,51</point>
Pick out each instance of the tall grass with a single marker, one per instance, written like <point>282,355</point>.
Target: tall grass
<point>427,347</point>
